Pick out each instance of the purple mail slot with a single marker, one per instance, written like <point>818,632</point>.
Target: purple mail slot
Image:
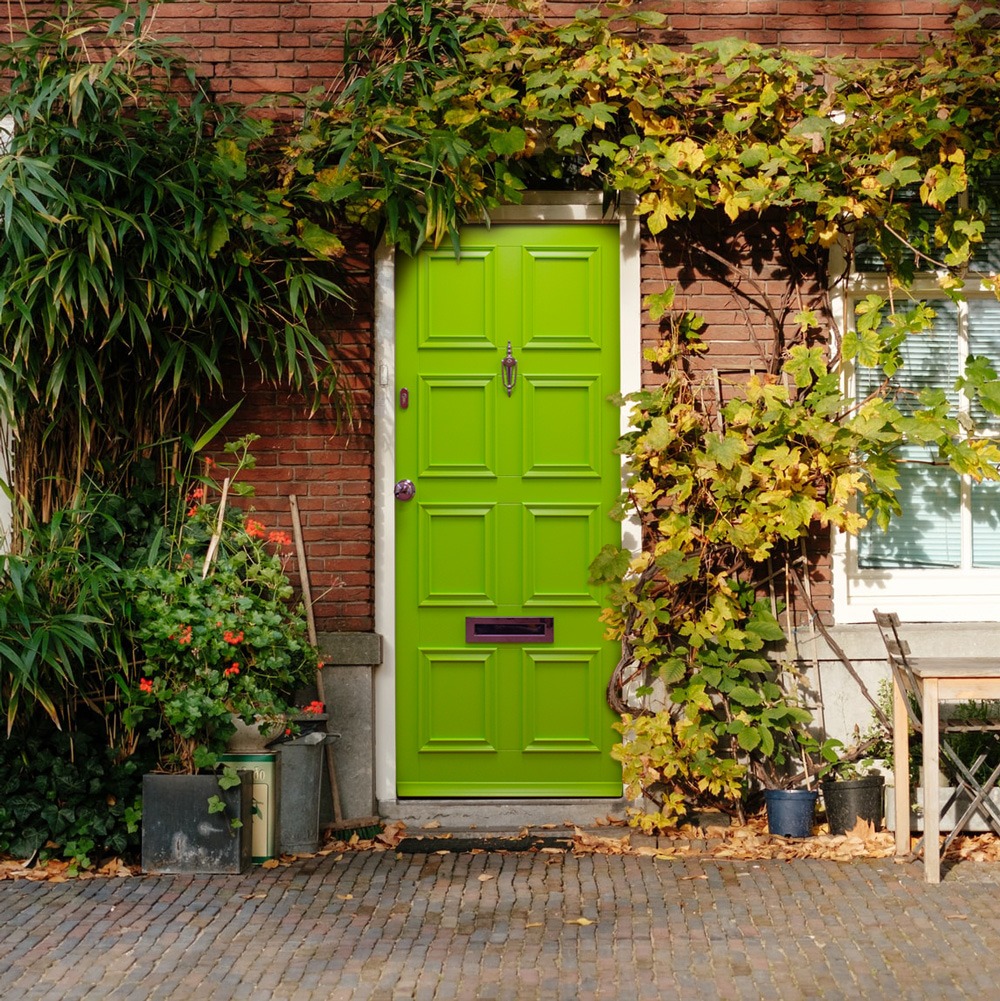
<point>509,629</point>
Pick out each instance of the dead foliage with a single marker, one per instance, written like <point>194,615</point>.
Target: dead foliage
<point>749,842</point>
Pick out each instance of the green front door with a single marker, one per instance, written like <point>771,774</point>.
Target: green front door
<point>500,661</point>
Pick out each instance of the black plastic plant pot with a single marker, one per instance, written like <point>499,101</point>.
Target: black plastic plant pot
<point>790,812</point>
<point>180,835</point>
<point>849,800</point>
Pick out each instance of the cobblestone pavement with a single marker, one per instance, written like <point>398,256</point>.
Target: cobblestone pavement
<point>518,926</point>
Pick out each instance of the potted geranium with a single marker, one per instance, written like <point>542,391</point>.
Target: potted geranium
<point>217,637</point>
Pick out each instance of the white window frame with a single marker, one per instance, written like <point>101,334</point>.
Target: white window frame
<point>961,594</point>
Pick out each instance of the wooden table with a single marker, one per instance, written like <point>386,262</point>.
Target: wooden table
<point>939,679</point>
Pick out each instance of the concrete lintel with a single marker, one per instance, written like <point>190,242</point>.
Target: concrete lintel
<point>350,649</point>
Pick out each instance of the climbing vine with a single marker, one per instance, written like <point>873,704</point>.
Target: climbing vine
<point>452,112</point>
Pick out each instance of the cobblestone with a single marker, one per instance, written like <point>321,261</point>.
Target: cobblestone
<point>508,927</point>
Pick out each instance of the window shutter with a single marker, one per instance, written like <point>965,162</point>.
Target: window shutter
<point>986,255</point>
<point>984,339</point>
<point>930,360</point>
<point>928,532</point>
<point>986,524</point>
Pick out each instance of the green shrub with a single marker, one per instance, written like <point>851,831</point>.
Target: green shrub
<point>66,795</point>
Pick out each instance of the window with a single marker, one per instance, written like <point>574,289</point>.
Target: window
<point>940,559</point>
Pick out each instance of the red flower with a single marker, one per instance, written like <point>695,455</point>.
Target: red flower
<point>313,707</point>
<point>279,538</point>
<point>184,637</point>
<point>254,528</point>
<point>145,685</point>
<point>233,638</point>
<point>235,669</point>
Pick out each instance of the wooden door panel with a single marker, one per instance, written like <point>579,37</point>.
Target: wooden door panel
<point>566,678</point>
<point>512,495</point>
<point>566,403</point>
<point>450,678</point>
<point>550,532</point>
<point>444,531</point>
<point>457,426</point>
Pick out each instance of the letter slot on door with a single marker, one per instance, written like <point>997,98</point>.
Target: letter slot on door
<point>510,629</point>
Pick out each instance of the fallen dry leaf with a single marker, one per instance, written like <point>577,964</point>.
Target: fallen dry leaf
<point>271,863</point>
<point>345,896</point>
<point>484,876</point>
<point>431,825</point>
<point>584,843</point>
<point>578,921</point>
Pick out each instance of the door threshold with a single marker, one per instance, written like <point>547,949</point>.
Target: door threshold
<point>497,815</point>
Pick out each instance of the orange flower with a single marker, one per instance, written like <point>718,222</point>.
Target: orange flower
<point>145,685</point>
<point>184,636</point>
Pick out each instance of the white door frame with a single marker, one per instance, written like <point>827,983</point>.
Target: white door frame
<point>540,207</point>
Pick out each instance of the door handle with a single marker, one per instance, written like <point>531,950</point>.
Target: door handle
<point>509,366</point>
<point>404,490</point>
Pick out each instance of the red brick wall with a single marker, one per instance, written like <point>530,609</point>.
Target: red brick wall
<point>740,335</point>
<point>328,464</point>
<point>254,47</point>
<point>250,47</point>
<point>844,26</point>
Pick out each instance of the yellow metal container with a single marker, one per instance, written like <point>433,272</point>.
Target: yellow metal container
<point>265,799</point>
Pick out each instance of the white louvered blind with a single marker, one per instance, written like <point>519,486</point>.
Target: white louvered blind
<point>928,533</point>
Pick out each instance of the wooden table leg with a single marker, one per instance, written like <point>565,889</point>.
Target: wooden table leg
<point>901,769</point>
<point>931,747</point>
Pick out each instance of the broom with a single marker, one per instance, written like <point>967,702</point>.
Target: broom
<point>363,827</point>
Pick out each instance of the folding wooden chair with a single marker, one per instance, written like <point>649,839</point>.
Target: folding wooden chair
<point>907,673</point>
